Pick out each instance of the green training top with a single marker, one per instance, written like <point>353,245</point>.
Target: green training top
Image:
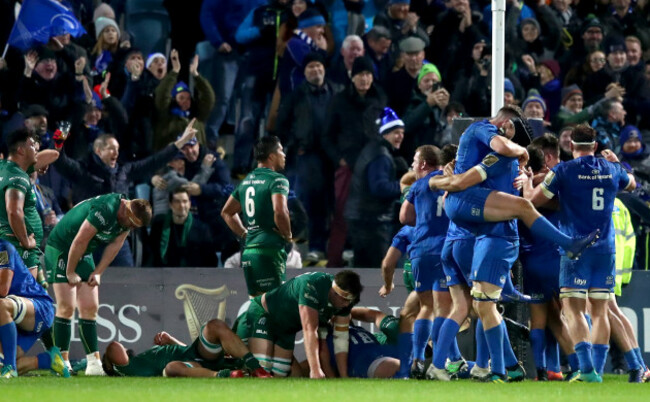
<point>100,211</point>
<point>13,177</point>
<point>310,289</point>
<point>254,195</point>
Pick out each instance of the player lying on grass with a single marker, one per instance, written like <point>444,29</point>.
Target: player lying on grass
<point>26,311</point>
<point>172,358</point>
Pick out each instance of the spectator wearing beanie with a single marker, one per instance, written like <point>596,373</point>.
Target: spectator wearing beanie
<point>533,39</point>
<point>176,105</point>
<point>307,38</point>
<point>301,127</point>
<point>545,79</point>
<point>350,124</point>
<point>534,106</point>
<point>370,209</point>
<point>424,118</point>
<point>107,34</point>
<point>509,95</point>
<point>572,111</point>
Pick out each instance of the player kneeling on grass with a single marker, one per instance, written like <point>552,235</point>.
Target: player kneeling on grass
<point>172,358</point>
<point>26,311</point>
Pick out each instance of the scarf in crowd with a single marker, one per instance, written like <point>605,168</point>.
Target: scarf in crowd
<point>166,231</point>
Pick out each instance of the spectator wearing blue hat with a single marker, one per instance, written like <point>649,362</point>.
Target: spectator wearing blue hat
<point>401,22</point>
<point>374,190</point>
<point>175,105</point>
<point>307,38</point>
<point>534,106</point>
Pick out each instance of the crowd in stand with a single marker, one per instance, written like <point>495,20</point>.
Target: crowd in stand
<point>318,74</point>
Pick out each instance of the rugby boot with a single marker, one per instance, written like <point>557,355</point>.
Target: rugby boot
<point>479,373</point>
<point>646,374</point>
<point>542,375</point>
<point>635,375</point>
<point>261,373</point>
<point>57,364</point>
<point>581,244</point>
<point>496,378</point>
<point>554,376</point>
<point>455,368</point>
<point>8,372</point>
<point>417,369</point>
<point>571,375</point>
<point>227,373</point>
<point>94,368</point>
<point>434,373</point>
<point>593,376</point>
<point>516,373</point>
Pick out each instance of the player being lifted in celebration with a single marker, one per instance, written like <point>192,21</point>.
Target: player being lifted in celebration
<point>105,219</point>
<point>274,318</point>
<point>172,358</point>
<point>586,188</point>
<point>482,204</point>
<point>266,226</point>
<point>26,311</point>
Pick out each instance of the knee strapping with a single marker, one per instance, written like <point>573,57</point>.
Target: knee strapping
<point>486,296</point>
<point>20,308</point>
<point>281,367</point>
<point>600,294</point>
<point>213,348</point>
<point>575,293</point>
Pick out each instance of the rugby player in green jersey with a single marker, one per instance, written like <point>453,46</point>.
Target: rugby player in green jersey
<point>303,303</point>
<point>172,358</point>
<point>266,226</point>
<point>20,223</point>
<point>105,219</point>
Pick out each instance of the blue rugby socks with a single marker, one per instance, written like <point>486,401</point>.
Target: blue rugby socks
<point>482,350</point>
<point>448,332</point>
<point>573,361</point>
<point>599,356</point>
<point>538,343</point>
<point>552,353</point>
<point>494,338</point>
<point>404,349</point>
<point>421,333</point>
<point>435,330</point>
<point>509,357</point>
<point>545,229</point>
<point>8,340</point>
<point>632,361</point>
<point>583,350</point>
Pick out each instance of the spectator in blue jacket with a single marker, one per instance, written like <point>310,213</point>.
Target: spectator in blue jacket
<point>220,20</point>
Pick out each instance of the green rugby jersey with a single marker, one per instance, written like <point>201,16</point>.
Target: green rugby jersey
<point>310,289</point>
<point>13,177</point>
<point>100,211</point>
<point>254,194</point>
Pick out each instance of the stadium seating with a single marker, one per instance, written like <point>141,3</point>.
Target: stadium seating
<point>147,22</point>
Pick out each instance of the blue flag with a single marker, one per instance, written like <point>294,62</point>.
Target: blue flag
<point>39,20</point>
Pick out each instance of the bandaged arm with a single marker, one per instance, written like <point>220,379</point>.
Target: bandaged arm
<point>341,343</point>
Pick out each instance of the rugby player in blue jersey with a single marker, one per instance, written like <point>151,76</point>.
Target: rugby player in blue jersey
<point>26,311</point>
<point>423,209</point>
<point>541,261</point>
<point>479,204</point>
<point>586,188</point>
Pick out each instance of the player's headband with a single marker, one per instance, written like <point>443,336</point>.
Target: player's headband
<point>346,295</point>
<point>583,143</point>
<point>134,219</point>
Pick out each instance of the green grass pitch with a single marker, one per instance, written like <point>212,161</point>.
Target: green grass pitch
<point>49,388</point>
